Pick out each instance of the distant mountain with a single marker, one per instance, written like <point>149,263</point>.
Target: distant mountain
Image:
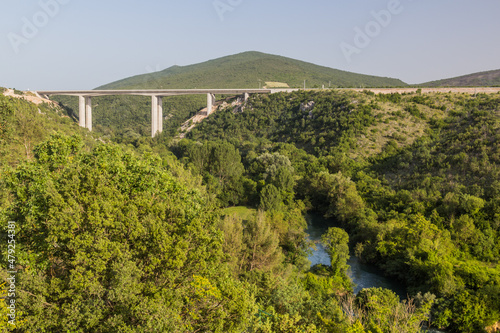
<point>246,70</point>
<point>482,79</point>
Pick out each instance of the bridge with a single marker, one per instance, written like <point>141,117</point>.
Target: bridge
<point>85,100</point>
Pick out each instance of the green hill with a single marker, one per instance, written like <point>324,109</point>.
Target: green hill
<point>129,116</point>
<point>244,70</point>
<point>482,79</point>
<point>24,124</point>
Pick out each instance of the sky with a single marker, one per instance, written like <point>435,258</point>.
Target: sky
<point>75,44</point>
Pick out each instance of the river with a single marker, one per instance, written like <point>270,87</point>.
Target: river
<point>362,275</point>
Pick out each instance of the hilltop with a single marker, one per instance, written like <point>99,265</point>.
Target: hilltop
<point>244,70</point>
<point>481,79</point>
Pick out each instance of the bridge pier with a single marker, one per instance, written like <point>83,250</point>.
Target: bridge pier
<point>246,96</point>
<point>85,112</point>
<point>88,113</point>
<point>81,107</point>
<point>210,103</point>
<point>156,115</point>
<point>160,114</point>
<point>85,100</point>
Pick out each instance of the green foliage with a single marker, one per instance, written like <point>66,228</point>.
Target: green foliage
<point>9,322</point>
<point>245,70</point>
<point>23,125</point>
<point>335,196</point>
<point>336,242</point>
<point>329,127</point>
<point>251,244</point>
<point>379,310</point>
<point>393,98</point>
<point>112,241</point>
<point>270,198</point>
<point>469,313</point>
<point>219,163</point>
<point>275,169</point>
<point>115,242</point>
<point>384,313</point>
<point>424,209</point>
<point>263,252</point>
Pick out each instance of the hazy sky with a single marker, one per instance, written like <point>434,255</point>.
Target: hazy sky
<point>75,44</point>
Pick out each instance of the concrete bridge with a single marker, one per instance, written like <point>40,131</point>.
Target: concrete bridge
<point>85,100</point>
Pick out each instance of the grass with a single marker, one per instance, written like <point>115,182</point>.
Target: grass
<point>271,84</point>
<point>244,212</point>
<point>395,123</point>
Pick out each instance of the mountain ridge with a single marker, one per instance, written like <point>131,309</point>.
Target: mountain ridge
<point>478,79</point>
<point>246,70</point>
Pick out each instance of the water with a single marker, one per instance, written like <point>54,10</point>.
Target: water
<point>363,275</point>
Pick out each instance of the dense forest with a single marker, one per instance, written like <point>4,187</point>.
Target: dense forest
<point>124,233</point>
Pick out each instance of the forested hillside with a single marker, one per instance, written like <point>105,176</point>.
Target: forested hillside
<point>207,234</point>
<point>245,70</point>
<point>413,178</point>
<point>128,117</point>
<point>23,125</point>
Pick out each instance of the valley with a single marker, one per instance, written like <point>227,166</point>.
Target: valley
<point>209,221</point>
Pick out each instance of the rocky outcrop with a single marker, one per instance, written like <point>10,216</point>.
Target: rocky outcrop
<point>30,96</point>
<point>494,328</point>
<point>309,106</point>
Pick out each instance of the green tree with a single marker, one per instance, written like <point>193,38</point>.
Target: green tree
<point>262,244</point>
<point>383,312</point>
<point>336,242</point>
<point>270,198</point>
<point>336,196</point>
<point>233,245</point>
<point>275,169</point>
<point>469,313</point>
<point>345,202</point>
<point>220,164</point>
<point>112,242</point>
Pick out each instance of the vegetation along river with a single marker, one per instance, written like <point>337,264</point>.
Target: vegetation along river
<point>362,275</point>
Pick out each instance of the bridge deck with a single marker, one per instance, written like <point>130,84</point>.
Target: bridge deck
<point>153,92</point>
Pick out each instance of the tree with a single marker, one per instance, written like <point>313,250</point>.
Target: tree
<point>469,313</point>
<point>233,244</point>
<point>345,202</point>
<point>270,198</point>
<point>220,163</point>
<point>381,311</point>
<point>262,244</point>
<point>336,242</point>
<point>29,128</point>
<point>275,169</point>
<point>110,241</point>
<point>336,196</point>
<point>6,112</point>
